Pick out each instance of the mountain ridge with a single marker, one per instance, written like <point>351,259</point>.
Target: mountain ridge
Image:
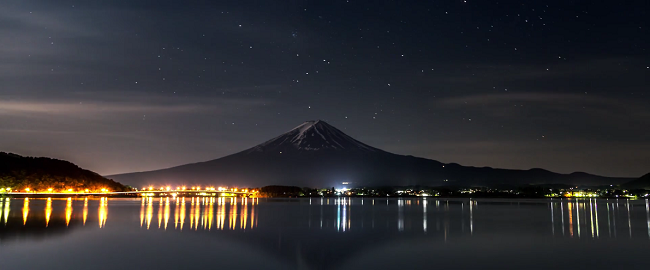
<point>316,154</point>
<point>642,182</point>
<point>311,136</point>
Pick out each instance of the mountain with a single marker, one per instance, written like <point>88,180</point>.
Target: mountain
<point>641,183</point>
<point>40,174</point>
<point>316,154</point>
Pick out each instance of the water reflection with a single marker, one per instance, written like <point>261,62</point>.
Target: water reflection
<point>149,214</point>
<point>237,213</point>
<point>343,214</point>
<point>68,211</point>
<point>472,204</point>
<point>182,213</point>
<point>166,213</point>
<point>144,200</point>
<point>48,211</point>
<point>25,210</point>
<point>585,215</point>
<point>85,211</point>
<point>569,218</point>
<point>103,212</point>
<point>647,215</point>
<point>160,212</point>
<point>7,209</point>
<point>424,214</point>
<point>233,214</point>
<point>221,213</point>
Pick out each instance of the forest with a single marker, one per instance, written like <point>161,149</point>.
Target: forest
<point>39,174</point>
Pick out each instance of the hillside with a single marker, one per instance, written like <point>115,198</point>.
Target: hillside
<point>316,154</point>
<point>40,174</point>
<point>641,183</point>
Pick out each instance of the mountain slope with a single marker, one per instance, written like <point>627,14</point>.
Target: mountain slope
<point>316,154</point>
<point>641,183</point>
<point>40,174</point>
<point>313,136</point>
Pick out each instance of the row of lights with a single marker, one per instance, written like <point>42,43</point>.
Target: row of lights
<point>196,188</point>
<point>51,190</point>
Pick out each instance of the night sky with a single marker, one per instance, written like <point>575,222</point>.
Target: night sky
<point>126,85</point>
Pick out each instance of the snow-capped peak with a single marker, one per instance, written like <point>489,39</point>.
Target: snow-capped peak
<point>313,136</point>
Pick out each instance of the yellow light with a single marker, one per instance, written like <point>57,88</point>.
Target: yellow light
<point>49,189</point>
<point>70,190</point>
<point>27,189</point>
<point>87,190</point>
<point>103,190</point>
<point>183,188</point>
<point>168,188</point>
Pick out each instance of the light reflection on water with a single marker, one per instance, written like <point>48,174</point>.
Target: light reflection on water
<point>202,216</point>
<point>301,224</point>
<point>25,210</point>
<point>568,218</point>
<point>48,211</point>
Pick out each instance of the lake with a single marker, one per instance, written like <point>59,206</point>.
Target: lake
<point>323,233</point>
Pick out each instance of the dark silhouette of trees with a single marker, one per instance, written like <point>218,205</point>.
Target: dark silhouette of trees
<point>40,174</point>
<point>280,191</point>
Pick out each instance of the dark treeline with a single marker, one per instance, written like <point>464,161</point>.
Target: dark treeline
<point>540,191</point>
<point>40,174</point>
<point>281,191</point>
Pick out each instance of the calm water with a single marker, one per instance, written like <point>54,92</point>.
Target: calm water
<point>224,233</point>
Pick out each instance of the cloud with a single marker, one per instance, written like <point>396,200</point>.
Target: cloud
<point>561,69</point>
<point>498,103</point>
<point>9,107</point>
<point>135,104</point>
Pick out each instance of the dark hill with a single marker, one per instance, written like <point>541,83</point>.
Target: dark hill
<point>641,183</point>
<point>316,154</point>
<point>40,174</point>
